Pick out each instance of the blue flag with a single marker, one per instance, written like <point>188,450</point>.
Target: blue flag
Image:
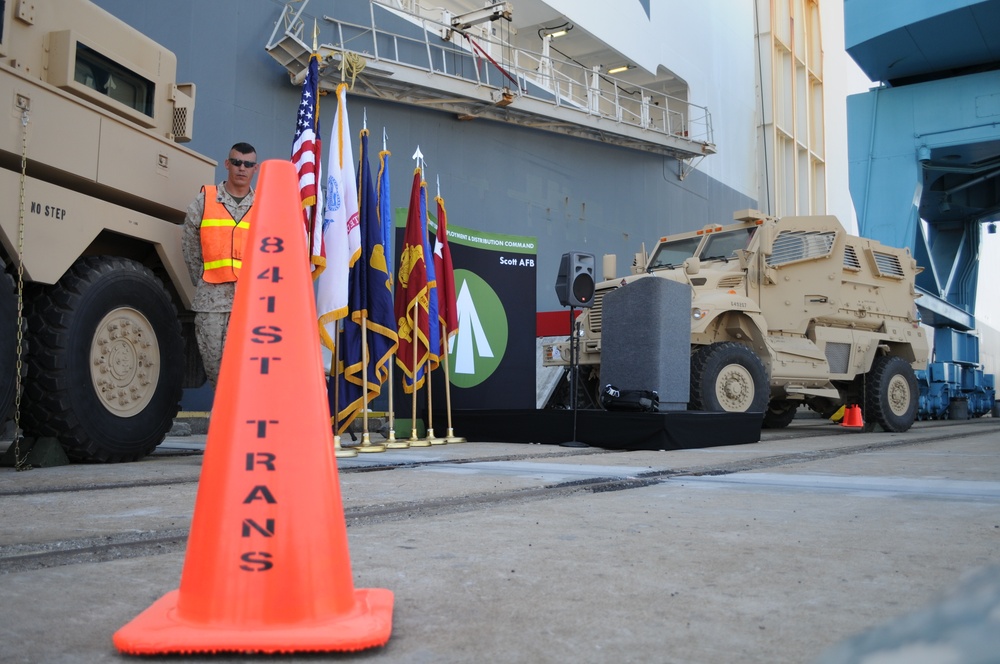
<point>385,208</point>
<point>434,329</point>
<point>370,304</point>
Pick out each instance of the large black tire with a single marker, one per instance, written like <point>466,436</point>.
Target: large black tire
<point>728,377</point>
<point>891,394</point>
<point>8,343</point>
<point>105,363</point>
<point>779,414</point>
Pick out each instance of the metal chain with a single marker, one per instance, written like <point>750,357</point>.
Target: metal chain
<point>19,463</point>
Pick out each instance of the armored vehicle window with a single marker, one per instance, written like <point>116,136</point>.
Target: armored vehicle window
<point>109,78</point>
<point>792,246</point>
<point>725,245</point>
<point>672,254</point>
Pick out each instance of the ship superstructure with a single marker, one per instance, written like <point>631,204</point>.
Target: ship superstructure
<point>490,63</point>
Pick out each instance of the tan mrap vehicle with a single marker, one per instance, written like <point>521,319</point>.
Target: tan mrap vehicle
<point>93,188</point>
<point>787,312</point>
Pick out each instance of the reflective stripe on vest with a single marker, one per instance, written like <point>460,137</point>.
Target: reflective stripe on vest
<point>222,240</point>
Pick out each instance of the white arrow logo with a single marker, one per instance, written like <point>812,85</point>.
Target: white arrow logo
<point>471,334</point>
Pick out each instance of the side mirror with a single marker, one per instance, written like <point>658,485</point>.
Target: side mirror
<point>692,265</point>
<point>744,257</point>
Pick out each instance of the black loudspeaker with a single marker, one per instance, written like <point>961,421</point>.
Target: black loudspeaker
<point>575,281</point>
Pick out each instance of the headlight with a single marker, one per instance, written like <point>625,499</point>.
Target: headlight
<point>698,314</point>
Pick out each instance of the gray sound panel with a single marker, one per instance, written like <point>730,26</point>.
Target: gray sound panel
<point>646,340</point>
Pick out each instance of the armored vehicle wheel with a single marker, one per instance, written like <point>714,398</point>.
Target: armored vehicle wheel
<point>105,361</point>
<point>779,414</point>
<point>890,394</point>
<point>8,342</point>
<point>728,377</point>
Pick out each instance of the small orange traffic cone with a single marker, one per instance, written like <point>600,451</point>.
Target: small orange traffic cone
<point>267,567</point>
<point>852,418</point>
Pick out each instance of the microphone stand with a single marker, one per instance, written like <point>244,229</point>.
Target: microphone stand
<point>574,352</point>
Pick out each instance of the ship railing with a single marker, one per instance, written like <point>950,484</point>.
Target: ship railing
<point>609,97</point>
<point>507,70</point>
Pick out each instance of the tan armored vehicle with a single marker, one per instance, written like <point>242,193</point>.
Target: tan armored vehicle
<point>786,312</point>
<point>93,187</point>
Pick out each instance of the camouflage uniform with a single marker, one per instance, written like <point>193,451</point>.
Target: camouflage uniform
<point>212,302</point>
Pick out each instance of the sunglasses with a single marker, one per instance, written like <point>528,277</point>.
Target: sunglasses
<point>242,162</point>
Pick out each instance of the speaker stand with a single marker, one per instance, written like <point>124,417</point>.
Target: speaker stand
<point>574,352</point>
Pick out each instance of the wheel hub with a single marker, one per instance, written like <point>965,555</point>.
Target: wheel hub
<point>735,389</point>
<point>125,361</point>
<point>898,395</point>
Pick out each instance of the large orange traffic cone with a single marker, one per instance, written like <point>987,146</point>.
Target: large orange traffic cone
<point>267,566</point>
<point>852,418</point>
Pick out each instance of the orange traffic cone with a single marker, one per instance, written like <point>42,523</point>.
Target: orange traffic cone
<point>852,418</point>
<point>267,567</point>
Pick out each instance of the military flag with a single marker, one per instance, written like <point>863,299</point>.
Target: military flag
<point>412,297</point>
<point>445,273</point>
<point>366,366</point>
<point>306,150</point>
<point>341,232</point>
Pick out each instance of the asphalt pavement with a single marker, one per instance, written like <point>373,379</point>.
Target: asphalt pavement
<point>816,542</point>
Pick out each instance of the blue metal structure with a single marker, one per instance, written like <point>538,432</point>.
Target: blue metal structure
<point>924,150</point>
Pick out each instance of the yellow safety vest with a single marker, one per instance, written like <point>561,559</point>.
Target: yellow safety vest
<point>222,239</point>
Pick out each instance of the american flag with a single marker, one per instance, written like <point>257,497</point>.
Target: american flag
<point>306,157</point>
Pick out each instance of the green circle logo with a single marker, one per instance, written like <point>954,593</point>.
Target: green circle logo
<point>475,351</point>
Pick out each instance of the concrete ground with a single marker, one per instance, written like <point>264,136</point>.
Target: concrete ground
<point>773,552</point>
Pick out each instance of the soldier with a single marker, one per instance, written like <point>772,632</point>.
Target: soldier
<point>215,229</point>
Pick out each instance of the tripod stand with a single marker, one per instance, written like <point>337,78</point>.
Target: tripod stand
<point>574,369</point>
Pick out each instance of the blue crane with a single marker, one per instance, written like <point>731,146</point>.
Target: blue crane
<point>924,151</point>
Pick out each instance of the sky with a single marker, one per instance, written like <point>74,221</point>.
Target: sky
<point>842,77</point>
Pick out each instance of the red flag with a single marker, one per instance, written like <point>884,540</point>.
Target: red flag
<point>445,272</point>
<point>412,296</point>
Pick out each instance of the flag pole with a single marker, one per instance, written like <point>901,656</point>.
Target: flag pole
<point>431,438</point>
<point>366,443</point>
<point>450,436</point>
<point>338,451</point>
<point>414,440</point>
<point>391,442</point>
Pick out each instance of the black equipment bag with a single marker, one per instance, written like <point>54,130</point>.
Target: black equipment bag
<point>643,401</point>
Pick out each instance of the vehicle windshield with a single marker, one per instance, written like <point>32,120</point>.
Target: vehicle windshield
<point>672,254</point>
<point>721,246</point>
<point>718,246</point>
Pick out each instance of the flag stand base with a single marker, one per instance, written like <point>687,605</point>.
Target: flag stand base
<point>393,444</point>
<point>452,438</point>
<point>342,452</point>
<point>367,445</point>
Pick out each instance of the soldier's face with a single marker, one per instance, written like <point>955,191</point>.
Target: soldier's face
<point>241,167</point>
